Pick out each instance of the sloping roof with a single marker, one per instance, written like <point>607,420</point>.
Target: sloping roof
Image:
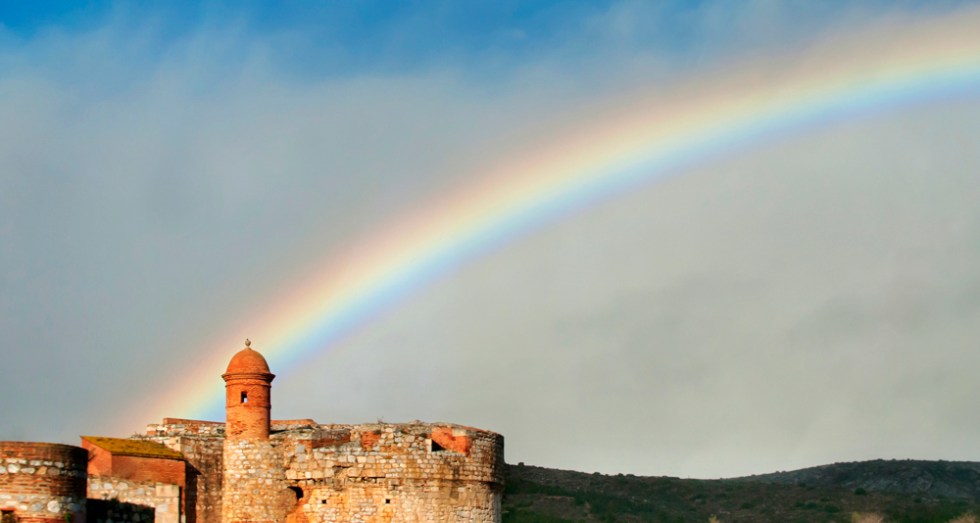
<point>134,447</point>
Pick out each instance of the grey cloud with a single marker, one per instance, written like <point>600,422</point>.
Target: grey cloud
<point>811,300</point>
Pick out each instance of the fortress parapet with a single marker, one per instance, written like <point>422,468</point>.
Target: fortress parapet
<point>395,472</point>
<point>43,482</point>
<point>385,472</point>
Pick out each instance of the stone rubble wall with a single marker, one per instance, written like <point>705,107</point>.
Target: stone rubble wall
<point>404,451</point>
<point>203,450</point>
<point>163,498</point>
<point>255,489</point>
<point>174,427</point>
<point>280,425</point>
<point>309,473</point>
<point>395,473</point>
<point>395,501</point>
<point>43,482</point>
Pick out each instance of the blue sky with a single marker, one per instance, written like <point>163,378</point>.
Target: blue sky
<point>330,38</point>
<point>319,37</point>
<point>172,169</point>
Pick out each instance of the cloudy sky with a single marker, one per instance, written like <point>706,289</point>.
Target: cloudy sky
<point>170,175</point>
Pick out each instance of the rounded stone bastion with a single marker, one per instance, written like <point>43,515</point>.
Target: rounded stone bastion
<point>42,482</point>
<point>393,473</point>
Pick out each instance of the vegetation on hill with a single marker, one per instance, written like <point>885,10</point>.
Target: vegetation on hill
<point>541,495</point>
<point>951,479</point>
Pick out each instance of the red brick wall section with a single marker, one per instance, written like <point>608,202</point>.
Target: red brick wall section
<point>99,460</point>
<point>36,519</point>
<point>370,438</point>
<point>43,481</point>
<point>139,468</point>
<point>247,419</point>
<point>446,438</point>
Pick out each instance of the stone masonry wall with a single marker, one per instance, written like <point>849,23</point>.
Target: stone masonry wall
<point>309,473</point>
<point>43,482</point>
<point>255,489</point>
<point>163,498</point>
<point>205,457</point>
<point>394,473</point>
<point>401,501</point>
<point>186,427</point>
<point>202,444</point>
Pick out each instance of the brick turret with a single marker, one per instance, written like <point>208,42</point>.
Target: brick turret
<point>248,395</point>
<point>254,480</point>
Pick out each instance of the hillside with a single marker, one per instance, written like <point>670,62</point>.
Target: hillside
<point>934,479</point>
<point>915,492</point>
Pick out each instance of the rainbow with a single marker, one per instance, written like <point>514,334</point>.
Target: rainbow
<point>643,139</point>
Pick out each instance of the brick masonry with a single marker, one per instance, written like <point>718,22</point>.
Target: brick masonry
<point>43,482</point>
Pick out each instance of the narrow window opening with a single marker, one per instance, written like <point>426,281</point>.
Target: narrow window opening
<point>323,502</point>
<point>436,447</point>
<point>244,397</point>
<point>387,501</point>
<point>7,515</point>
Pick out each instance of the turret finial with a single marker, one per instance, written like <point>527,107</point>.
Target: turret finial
<point>248,342</point>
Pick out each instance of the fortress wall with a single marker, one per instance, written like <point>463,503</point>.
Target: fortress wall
<point>279,425</point>
<point>308,473</point>
<point>163,498</point>
<point>408,451</point>
<point>43,482</point>
<point>395,473</point>
<point>403,501</point>
<point>254,483</point>
<point>203,452</point>
<point>205,457</point>
<point>185,427</point>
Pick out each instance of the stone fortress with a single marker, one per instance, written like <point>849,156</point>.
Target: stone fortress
<point>252,469</point>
